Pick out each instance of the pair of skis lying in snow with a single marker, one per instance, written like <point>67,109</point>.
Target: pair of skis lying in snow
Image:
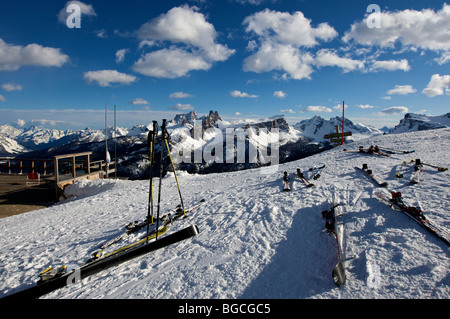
<point>415,179</point>
<point>399,172</point>
<point>396,201</point>
<point>417,169</point>
<point>55,278</point>
<point>334,225</point>
<point>417,172</point>
<point>377,151</point>
<point>301,176</point>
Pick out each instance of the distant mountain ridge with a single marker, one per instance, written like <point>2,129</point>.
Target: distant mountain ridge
<point>316,127</point>
<point>295,141</point>
<point>419,122</point>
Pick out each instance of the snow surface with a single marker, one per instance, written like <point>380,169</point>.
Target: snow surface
<point>419,122</point>
<point>255,241</point>
<point>8,146</point>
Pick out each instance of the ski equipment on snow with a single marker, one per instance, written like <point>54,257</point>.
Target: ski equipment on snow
<point>302,177</point>
<point>439,168</point>
<point>76,275</point>
<point>415,178</point>
<point>286,184</point>
<point>165,143</point>
<point>136,226</point>
<point>400,169</point>
<point>396,201</point>
<point>372,150</point>
<point>151,144</point>
<point>335,228</point>
<point>370,174</point>
<point>317,174</point>
<point>392,151</point>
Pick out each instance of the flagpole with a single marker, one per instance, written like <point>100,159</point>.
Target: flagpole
<point>343,107</point>
<point>115,143</point>
<point>106,141</point>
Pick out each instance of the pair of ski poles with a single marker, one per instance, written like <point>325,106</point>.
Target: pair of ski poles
<point>152,137</point>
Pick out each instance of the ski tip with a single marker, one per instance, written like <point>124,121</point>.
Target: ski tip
<point>194,230</point>
<point>338,274</point>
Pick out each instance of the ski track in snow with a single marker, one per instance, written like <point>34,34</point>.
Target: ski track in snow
<point>255,240</point>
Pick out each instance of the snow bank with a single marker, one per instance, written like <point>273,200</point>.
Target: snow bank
<point>84,187</point>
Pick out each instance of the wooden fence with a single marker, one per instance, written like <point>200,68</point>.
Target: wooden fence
<point>63,169</point>
<point>26,165</point>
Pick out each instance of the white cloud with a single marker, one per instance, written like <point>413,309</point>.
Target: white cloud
<point>327,57</point>
<point>391,65</point>
<point>2,98</point>
<point>8,87</point>
<point>145,43</point>
<point>437,85</point>
<point>180,95</point>
<point>120,55</point>
<point>182,107</point>
<point>280,57</point>
<point>366,106</point>
<point>252,2</point>
<point>445,58</point>
<point>395,110</point>
<point>108,77</point>
<point>339,106</point>
<point>12,57</point>
<point>20,122</point>
<point>290,111</point>
<point>315,108</point>
<point>101,34</point>
<point>237,93</point>
<point>282,38</point>
<point>45,122</point>
<point>170,63</point>
<point>279,94</point>
<point>181,26</point>
<point>426,29</point>
<point>86,10</point>
<point>402,90</point>
<point>288,28</point>
<point>139,101</point>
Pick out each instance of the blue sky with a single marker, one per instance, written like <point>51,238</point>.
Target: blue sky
<point>243,58</point>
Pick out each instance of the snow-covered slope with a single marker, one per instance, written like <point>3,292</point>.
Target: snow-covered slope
<point>9,147</point>
<point>316,127</point>
<point>35,138</point>
<point>419,122</point>
<point>255,241</point>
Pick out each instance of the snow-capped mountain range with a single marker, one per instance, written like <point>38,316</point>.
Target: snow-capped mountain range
<point>295,141</point>
<point>317,127</point>
<point>419,122</point>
